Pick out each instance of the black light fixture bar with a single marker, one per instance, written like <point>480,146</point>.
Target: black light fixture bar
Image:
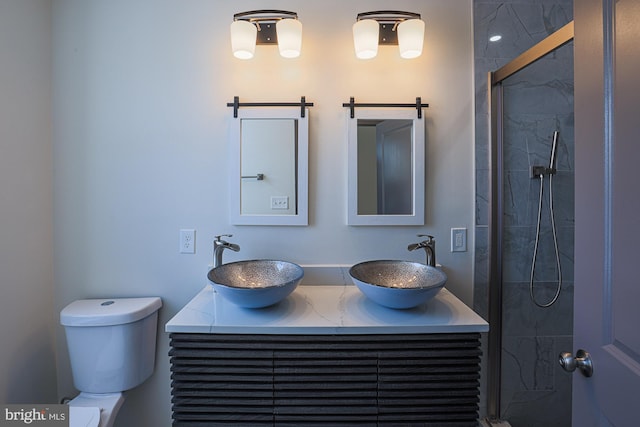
<point>264,14</point>
<point>236,104</point>
<point>265,21</point>
<point>352,106</point>
<point>388,21</point>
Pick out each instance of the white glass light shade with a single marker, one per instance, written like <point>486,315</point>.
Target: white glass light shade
<point>289,33</point>
<point>243,39</point>
<point>411,38</point>
<point>365,38</point>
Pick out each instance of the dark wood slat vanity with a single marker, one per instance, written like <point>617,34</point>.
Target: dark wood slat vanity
<point>326,356</point>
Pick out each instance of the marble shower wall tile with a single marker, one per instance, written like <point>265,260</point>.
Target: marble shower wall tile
<point>528,140</point>
<point>535,388</point>
<point>481,272</point>
<point>522,197</point>
<point>530,362</point>
<point>481,157</point>
<point>544,99</point>
<point>522,318</point>
<point>518,248</point>
<point>521,24</point>
<point>482,201</point>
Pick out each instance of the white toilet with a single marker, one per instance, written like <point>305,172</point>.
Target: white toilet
<point>112,348</point>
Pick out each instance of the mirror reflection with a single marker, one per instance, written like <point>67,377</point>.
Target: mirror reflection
<point>269,167</point>
<point>385,169</point>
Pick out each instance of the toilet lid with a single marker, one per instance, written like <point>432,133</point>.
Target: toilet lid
<point>108,312</point>
<point>84,416</point>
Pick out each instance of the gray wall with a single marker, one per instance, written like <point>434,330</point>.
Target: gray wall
<point>27,353</point>
<point>538,100</point>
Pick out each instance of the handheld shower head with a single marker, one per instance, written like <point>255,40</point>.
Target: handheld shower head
<point>554,151</point>
<point>539,171</point>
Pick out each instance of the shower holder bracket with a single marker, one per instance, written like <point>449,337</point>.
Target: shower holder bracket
<point>537,171</point>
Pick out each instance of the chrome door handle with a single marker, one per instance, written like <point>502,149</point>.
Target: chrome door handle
<point>582,361</point>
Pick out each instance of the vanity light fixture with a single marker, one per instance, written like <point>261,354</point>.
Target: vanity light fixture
<point>266,27</point>
<point>388,27</point>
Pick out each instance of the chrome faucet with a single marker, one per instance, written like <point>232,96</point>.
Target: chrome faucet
<point>219,246</point>
<point>429,247</point>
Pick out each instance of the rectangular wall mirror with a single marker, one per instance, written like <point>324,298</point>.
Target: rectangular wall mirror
<point>269,167</point>
<point>386,167</point>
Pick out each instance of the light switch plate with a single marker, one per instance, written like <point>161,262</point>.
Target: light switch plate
<point>458,240</point>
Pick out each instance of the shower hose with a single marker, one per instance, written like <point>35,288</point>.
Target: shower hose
<point>537,241</point>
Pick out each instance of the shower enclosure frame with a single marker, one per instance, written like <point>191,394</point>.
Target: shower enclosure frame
<point>496,227</point>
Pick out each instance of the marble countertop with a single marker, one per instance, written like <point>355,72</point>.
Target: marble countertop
<point>324,309</point>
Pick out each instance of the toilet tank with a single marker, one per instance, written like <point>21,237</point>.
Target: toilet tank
<point>111,342</point>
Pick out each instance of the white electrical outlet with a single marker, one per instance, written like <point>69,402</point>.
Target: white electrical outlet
<point>458,240</point>
<point>279,202</point>
<point>187,241</point>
